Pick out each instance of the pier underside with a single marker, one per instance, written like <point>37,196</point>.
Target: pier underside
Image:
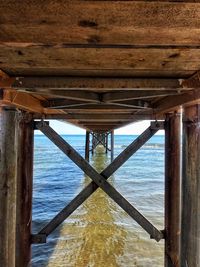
<point>100,65</point>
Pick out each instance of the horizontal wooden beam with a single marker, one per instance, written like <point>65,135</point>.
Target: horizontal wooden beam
<point>172,103</point>
<point>65,103</point>
<point>21,100</point>
<point>93,83</point>
<point>123,22</point>
<point>38,58</point>
<point>192,82</point>
<point>129,95</point>
<point>98,117</point>
<point>85,96</point>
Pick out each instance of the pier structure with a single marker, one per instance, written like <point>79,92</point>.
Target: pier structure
<point>100,65</point>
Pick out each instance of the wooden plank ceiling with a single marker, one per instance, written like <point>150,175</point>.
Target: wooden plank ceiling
<point>99,64</point>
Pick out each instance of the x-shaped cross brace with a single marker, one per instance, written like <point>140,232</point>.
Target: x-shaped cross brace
<point>99,180</point>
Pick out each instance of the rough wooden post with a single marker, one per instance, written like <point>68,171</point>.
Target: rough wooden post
<point>24,191</point>
<point>106,143</point>
<point>87,145</point>
<point>112,145</point>
<point>8,178</point>
<point>172,190</point>
<point>190,221</point>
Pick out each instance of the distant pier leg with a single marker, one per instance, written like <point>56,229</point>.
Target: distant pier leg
<point>190,221</point>
<point>24,191</point>
<point>8,181</point>
<point>106,142</point>
<point>172,190</point>
<point>87,146</point>
<point>112,145</point>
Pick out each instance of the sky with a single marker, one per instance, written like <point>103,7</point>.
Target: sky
<point>131,129</point>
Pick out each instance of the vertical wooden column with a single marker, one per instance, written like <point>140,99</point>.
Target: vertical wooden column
<point>93,139</point>
<point>87,145</point>
<point>106,143</point>
<point>172,190</point>
<point>8,180</point>
<point>112,145</point>
<point>24,191</point>
<point>190,221</point>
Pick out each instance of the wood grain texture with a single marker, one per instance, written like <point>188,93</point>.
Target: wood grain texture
<point>24,192</point>
<point>143,59</point>
<point>8,186</point>
<point>172,190</point>
<point>102,22</point>
<point>190,237</point>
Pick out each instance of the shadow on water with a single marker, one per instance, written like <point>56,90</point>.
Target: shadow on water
<point>90,237</point>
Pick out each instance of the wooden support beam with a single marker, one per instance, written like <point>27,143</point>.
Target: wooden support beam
<point>192,82</point>
<point>107,142</point>
<point>112,145</point>
<point>170,103</point>
<point>79,95</point>
<point>190,221</point>
<point>132,23</point>
<point>87,145</point>
<point>92,83</point>
<point>98,117</point>
<point>24,190</point>
<point>129,95</point>
<point>21,100</point>
<point>8,186</point>
<point>99,180</point>
<point>172,190</point>
<point>60,103</point>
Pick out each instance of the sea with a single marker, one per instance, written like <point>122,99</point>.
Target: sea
<point>99,233</point>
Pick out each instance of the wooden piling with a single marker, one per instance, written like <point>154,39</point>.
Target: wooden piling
<point>112,145</point>
<point>8,181</point>
<point>87,145</point>
<point>106,141</point>
<point>172,190</point>
<point>190,220</point>
<point>24,191</point>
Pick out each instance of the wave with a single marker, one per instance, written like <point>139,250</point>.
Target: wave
<point>152,145</point>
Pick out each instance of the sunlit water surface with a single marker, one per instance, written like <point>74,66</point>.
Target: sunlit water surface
<point>98,233</point>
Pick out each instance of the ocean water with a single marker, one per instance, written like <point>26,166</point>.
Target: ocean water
<point>99,233</point>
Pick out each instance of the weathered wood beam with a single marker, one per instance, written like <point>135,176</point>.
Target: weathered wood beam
<point>129,95</point>
<point>139,60</point>
<point>112,146</point>
<point>87,145</point>
<point>98,117</point>
<point>172,190</point>
<point>21,100</point>
<point>91,83</point>
<point>137,24</point>
<point>85,96</point>
<point>66,104</point>
<point>24,190</point>
<point>173,103</point>
<point>97,109</point>
<point>190,221</point>
<point>8,186</point>
<point>192,82</point>
<point>99,180</point>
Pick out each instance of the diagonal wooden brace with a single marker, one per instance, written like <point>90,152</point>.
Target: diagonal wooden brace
<point>100,179</point>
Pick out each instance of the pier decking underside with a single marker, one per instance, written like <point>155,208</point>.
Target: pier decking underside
<point>99,64</point>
